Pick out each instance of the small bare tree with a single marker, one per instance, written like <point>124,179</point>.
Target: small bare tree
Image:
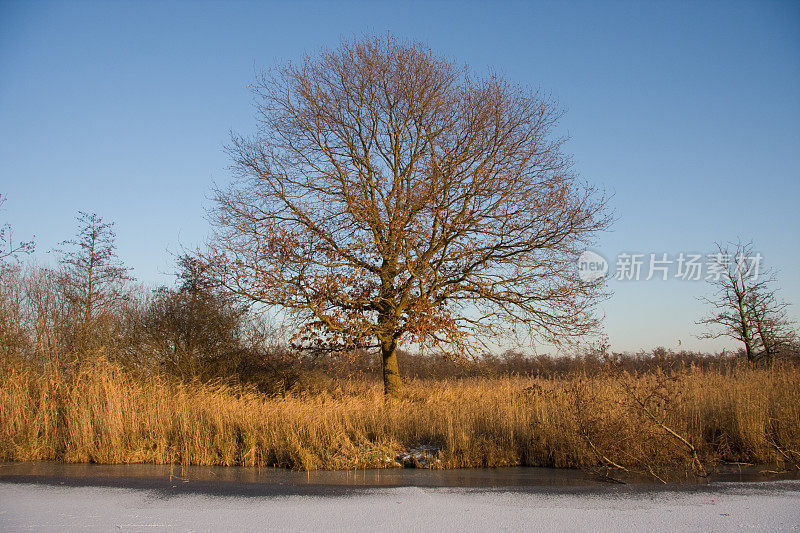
<point>12,331</point>
<point>8,249</point>
<point>746,307</point>
<point>92,277</point>
<point>391,195</point>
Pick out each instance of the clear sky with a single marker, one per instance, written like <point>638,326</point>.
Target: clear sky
<point>688,113</point>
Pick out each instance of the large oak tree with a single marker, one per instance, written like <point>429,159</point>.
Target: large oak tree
<point>391,195</point>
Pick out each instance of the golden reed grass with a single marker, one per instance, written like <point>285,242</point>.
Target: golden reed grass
<point>104,414</point>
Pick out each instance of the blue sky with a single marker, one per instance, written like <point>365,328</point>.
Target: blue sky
<point>687,113</point>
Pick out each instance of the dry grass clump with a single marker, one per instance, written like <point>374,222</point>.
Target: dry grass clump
<point>102,413</point>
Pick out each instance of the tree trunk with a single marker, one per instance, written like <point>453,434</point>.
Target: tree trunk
<point>744,320</point>
<point>391,374</point>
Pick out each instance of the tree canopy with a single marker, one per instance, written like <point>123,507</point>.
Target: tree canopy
<point>391,195</point>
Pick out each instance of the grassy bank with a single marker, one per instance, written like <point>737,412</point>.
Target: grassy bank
<point>650,421</point>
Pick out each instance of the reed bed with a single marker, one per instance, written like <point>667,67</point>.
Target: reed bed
<point>104,414</point>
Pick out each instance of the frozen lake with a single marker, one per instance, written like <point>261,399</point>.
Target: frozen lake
<point>46,496</point>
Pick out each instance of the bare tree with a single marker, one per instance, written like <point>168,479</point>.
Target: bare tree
<point>92,277</point>
<point>390,195</point>
<point>8,249</point>
<point>745,306</point>
<point>12,330</point>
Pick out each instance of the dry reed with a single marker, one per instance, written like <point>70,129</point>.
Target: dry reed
<point>102,413</point>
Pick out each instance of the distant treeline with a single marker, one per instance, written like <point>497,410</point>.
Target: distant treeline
<point>285,369</point>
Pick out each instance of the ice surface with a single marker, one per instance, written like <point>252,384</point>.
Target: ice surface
<point>725,507</point>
